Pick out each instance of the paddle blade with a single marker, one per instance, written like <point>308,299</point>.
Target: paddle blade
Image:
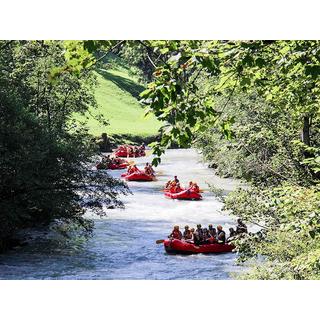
<point>159,241</point>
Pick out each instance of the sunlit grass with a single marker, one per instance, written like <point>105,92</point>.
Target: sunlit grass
<point>117,96</point>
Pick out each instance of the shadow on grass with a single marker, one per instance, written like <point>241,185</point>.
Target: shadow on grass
<point>123,83</point>
<point>118,139</point>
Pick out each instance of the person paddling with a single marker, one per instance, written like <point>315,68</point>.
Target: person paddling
<point>147,169</point>
<point>195,187</point>
<point>187,235</point>
<point>212,231</point>
<point>206,236</point>
<point>191,239</point>
<point>190,186</point>
<point>221,234</point>
<point>177,188</point>
<point>173,187</point>
<point>198,235</point>
<point>168,185</point>
<point>129,151</point>
<point>176,233</point>
<point>132,169</point>
<point>241,227</point>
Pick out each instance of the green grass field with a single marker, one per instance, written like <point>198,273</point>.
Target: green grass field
<point>117,96</point>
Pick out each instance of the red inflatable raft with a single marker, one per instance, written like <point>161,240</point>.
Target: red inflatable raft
<point>184,195</point>
<point>122,152</point>
<point>138,176</point>
<point>112,166</point>
<point>176,246</point>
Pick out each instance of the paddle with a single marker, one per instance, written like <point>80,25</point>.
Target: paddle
<point>160,241</point>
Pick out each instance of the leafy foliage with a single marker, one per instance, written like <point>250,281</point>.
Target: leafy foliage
<point>265,148</point>
<point>263,96</point>
<point>289,218</point>
<point>284,73</point>
<point>140,58</point>
<point>44,154</point>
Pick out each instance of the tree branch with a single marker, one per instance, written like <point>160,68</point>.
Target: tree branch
<point>151,61</point>
<point>110,50</point>
<point>159,57</point>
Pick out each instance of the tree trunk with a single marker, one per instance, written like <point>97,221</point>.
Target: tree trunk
<point>305,137</point>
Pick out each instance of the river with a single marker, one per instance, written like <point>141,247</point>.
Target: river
<point>123,243</point>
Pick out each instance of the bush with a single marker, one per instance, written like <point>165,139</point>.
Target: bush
<point>44,157</point>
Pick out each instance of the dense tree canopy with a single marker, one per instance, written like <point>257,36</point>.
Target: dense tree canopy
<point>44,155</point>
<point>283,73</point>
<point>263,96</point>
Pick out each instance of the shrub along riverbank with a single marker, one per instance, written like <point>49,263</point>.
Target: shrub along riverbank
<point>283,197</point>
<point>43,170</point>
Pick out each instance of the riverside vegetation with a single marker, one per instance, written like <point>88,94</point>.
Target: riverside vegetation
<point>262,97</point>
<point>44,153</point>
<point>251,107</point>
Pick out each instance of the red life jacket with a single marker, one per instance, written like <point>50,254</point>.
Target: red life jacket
<point>212,240</point>
<point>176,234</point>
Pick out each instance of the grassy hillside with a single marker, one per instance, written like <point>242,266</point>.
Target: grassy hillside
<point>117,96</point>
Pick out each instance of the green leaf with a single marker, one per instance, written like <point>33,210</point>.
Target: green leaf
<point>90,45</point>
<point>248,60</point>
<point>145,93</point>
<point>312,234</point>
<point>313,70</point>
<point>245,81</point>
<point>164,50</point>
<point>260,62</point>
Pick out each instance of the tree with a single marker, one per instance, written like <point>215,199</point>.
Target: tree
<point>285,73</point>
<point>273,141</point>
<point>44,154</point>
